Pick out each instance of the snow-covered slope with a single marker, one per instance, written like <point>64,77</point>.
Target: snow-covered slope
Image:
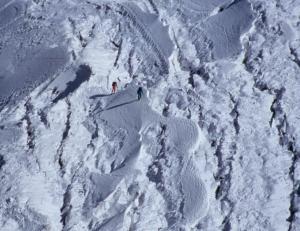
<point>212,145</point>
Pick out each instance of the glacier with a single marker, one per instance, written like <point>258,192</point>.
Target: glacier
<point>212,145</point>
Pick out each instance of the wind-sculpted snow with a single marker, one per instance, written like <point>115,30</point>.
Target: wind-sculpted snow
<point>11,13</point>
<point>152,30</point>
<point>153,27</point>
<point>4,3</point>
<point>200,9</point>
<point>216,26</point>
<point>224,29</point>
<point>34,69</point>
<point>25,61</point>
<point>123,111</point>
<point>212,145</point>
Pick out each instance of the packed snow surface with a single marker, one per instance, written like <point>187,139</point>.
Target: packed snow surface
<point>213,144</point>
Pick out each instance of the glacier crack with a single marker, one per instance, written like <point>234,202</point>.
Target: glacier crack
<point>64,137</point>
<point>235,114</point>
<point>295,56</point>
<point>154,7</point>
<point>223,175</point>
<point>2,162</point>
<point>29,126</point>
<point>119,46</point>
<point>66,207</point>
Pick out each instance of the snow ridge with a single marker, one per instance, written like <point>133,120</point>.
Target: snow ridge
<point>212,145</point>
<point>162,56</point>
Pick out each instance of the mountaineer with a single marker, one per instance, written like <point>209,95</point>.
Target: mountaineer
<point>114,87</point>
<point>140,93</point>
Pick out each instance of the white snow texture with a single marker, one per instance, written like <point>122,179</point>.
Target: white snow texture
<point>213,143</point>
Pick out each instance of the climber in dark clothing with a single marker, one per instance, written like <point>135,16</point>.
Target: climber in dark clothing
<point>140,93</point>
<point>114,87</point>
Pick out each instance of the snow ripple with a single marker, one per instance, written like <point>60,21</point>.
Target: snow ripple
<point>182,186</point>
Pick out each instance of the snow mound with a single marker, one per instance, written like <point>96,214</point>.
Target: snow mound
<point>123,111</point>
